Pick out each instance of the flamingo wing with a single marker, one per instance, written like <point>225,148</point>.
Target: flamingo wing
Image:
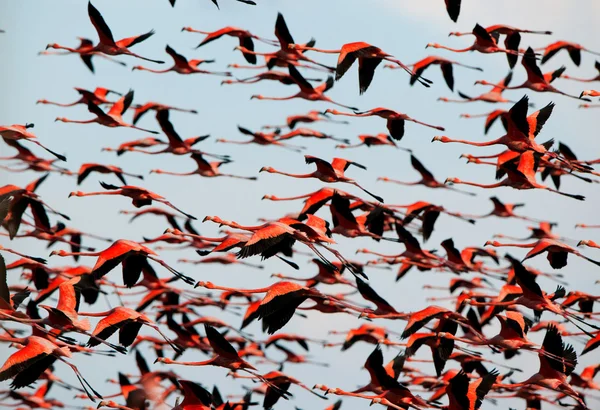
<point>104,33</point>
<point>177,58</point>
<point>283,33</point>
<point>132,41</point>
<point>366,72</point>
<point>219,344</point>
<point>447,72</point>
<point>368,293</point>
<point>304,85</point>
<point>166,126</point>
<point>416,164</point>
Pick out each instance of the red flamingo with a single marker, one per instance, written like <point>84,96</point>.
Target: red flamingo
<point>113,118</point>
<point>464,395</point>
<point>278,76</point>
<point>261,138</point>
<point>130,254</point>
<point>536,80</point>
<point>573,49</point>
<point>308,133</point>
<point>108,45</point>
<point>133,145</point>
<point>17,132</point>
<point>310,117</point>
<point>85,50</point>
<point>492,96</point>
<point>427,178</point>
<point>182,65</point>
<point>371,141</point>
<point>368,56</point>
<point>484,43</point>
<point>139,196</point>
<point>395,120</point>
<point>141,110</point>
<point>445,65</point>
<point>523,177</point>
<point>36,355</point>
<point>244,36</point>
<point>86,169</point>
<point>554,369</point>
<point>557,251</point>
<point>585,80</point>
<point>307,91</point>
<point>327,172</point>
<point>204,168</point>
<point>98,97</point>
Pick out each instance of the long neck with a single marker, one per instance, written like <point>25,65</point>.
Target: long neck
<point>456,50</point>
<point>311,175</point>
<point>116,192</point>
<point>203,363</point>
<point>518,245</point>
<point>319,50</point>
<point>475,143</point>
<point>496,185</point>
<point>289,198</point>
<point>79,254</point>
<point>96,314</point>
<point>59,104</point>
<point>142,68</point>
<point>160,171</point>
<point>258,290</point>
<point>280,98</point>
<point>79,121</point>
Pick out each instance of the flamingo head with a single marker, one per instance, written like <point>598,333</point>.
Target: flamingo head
<point>226,82</point>
<point>440,138</point>
<point>269,197</point>
<point>215,219</point>
<point>454,34</point>
<point>61,119</point>
<point>322,387</point>
<point>277,275</point>
<point>164,360</point>
<point>257,96</point>
<point>445,99</point>
<point>187,29</point>
<point>52,45</point>
<point>465,115</point>
<point>137,67</point>
<point>156,171</point>
<point>383,179</point>
<point>207,285</point>
<point>432,45</point>
<point>76,193</point>
<point>587,92</point>
<point>59,253</point>
<point>267,169</point>
<point>452,181</point>
<point>583,243</point>
<point>42,101</point>
<point>492,243</point>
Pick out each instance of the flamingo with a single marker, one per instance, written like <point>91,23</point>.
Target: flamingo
<point>86,169</point>
<point>85,50</point>
<point>182,65</point>
<point>327,172</point>
<point>17,132</point>
<point>98,97</point>
<point>573,49</point>
<point>369,57</point>
<point>204,168</point>
<point>113,118</point>
<point>394,120</point>
<point>307,91</point>
<point>139,196</point>
<point>141,110</point>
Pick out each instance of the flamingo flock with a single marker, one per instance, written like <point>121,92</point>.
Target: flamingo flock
<point>120,322</point>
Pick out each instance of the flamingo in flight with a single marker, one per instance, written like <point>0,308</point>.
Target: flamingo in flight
<point>98,97</point>
<point>368,56</point>
<point>204,168</point>
<point>307,91</point>
<point>85,50</point>
<point>17,132</point>
<point>182,65</point>
<point>113,118</point>
<point>327,172</point>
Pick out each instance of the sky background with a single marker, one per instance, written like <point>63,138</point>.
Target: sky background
<point>401,28</point>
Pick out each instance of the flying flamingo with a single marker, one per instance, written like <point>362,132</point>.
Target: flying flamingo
<point>182,65</point>
<point>586,80</point>
<point>203,168</point>
<point>371,141</point>
<point>307,91</point>
<point>17,132</point>
<point>130,254</point>
<point>573,49</point>
<point>261,138</point>
<point>427,178</point>
<point>557,251</point>
<point>327,172</point>
<point>394,120</point>
<point>492,96</point>
<point>308,133</point>
<point>244,36</point>
<point>536,80</point>
<point>108,45</point>
<point>85,50</point>
<point>553,370</point>
<point>278,76</point>
<point>98,97</point>
<point>464,395</point>
<point>141,110</point>
<point>139,196</point>
<point>310,117</point>
<point>133,145</point>
<point>113,118</point>
<point>445,65</point>
<point>86,169</point>
<point>36,355</point>
<point>484,43</point>
<point>523,177</point>
<point>369,57</point>
<point>225,356</point>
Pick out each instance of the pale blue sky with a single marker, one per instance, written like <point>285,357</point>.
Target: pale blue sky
<point>401,28</point>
